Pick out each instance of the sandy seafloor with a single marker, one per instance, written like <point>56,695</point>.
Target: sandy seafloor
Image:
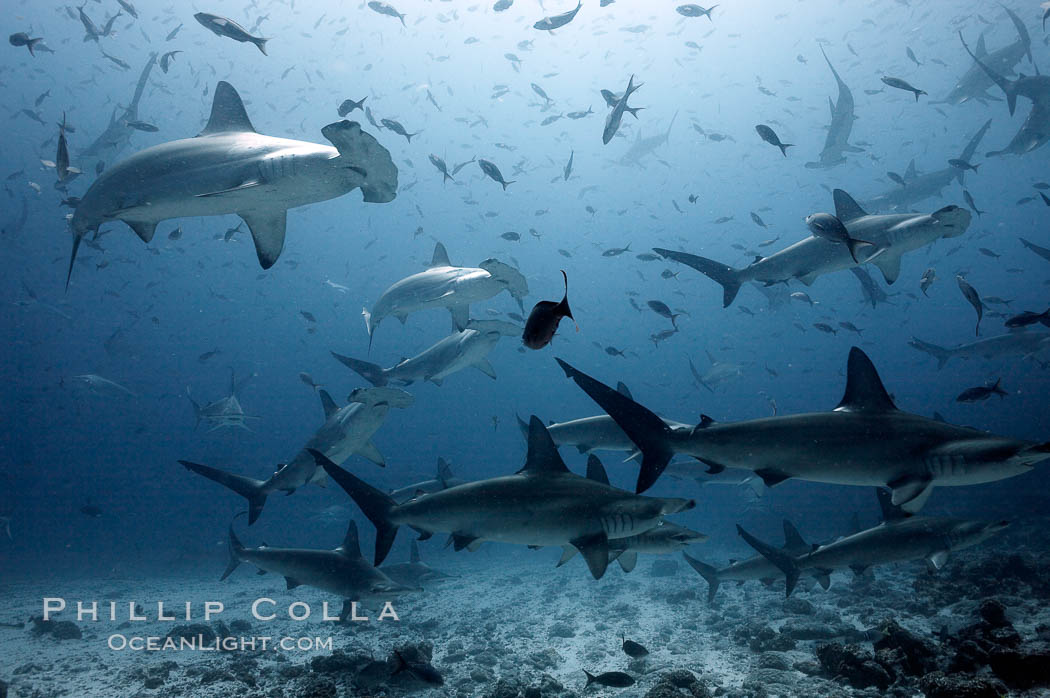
<point>529,630</point>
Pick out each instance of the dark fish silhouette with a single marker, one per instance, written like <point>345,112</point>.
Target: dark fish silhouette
<point>632,648</point>
<point>544,318</point>
<point>982,392</point>
<point>769,136</point>
<point>975,300</point>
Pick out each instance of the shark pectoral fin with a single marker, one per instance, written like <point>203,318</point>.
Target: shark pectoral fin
<point>267,229</point>
<point>436,381</point>
<point>143,229</point>
<point>460,317</point>
<point>596,471</point>
<point>823,578</point>
<point>485,367</point>
<point>858,569</point>
<point>628,560</point>
<point>595,550</point>
<point>890,266</point>
<point>534,547</point>
<point>368,450</point>
<point>423,535</point>
<point>938,559</point>
<point>910,493</point>
<point>567,553</point>
<point>460,541</point>
<point>247,184</point>
<point>808,279</point>
<point>771,477</point>
<point>292,583</point>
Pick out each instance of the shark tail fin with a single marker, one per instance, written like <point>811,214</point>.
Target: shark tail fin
<point>938,352</point>
<point>507,184</point>
<point>261,45</point>
<point>72,258</point>
<point>235,554</point>
<point>1009,87</point>
<point>372,373</point>
<point>784,146</point>
<point>648,432</point>
<point>782,560</point>
<point>724,274</point>
<point>709,573</point>
<point>247,487</point>
<point>375,504</point>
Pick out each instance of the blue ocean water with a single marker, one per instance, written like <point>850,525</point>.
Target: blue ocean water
<point>145,316</point>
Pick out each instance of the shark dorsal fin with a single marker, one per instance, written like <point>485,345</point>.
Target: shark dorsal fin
<point>543,455</point>
<point>864,389</point>
<point>596,471</point>
<point>846,208</point>
<point>890,511</point>
<point>792,539</point>
<point>328,404</point>
<point>413,555</point>
<point>981,51</point>
<point>705,421</point>
<point>227,112</point>
<point>351,546</point>
<point>623,390</point>
<point>910,173</point>
<point>444,472</point>
<point>440,258</point>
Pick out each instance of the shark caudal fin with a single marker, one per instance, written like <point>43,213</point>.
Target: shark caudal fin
<point>235,554</point>
<point>372,373</point>
<point>375,504</point>
<point>971,148</point>
<point>724,274</point>
<point>940,353</point>
<point>247,487</point>
<point>72,258</point>
<point>1009,87</point>
<point>709,573</point>
<point>648,432</point>
<point>782,560</point>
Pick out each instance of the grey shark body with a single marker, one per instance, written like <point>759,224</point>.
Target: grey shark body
<point>347,430</point>
<point>1035,131</point>
<point>542,504</point>
<point>663,539</point>
<point>756,567</point>
<point>1018,343</point>
<point>230,168</point>
<point>842,117</point>
<point>897,539</point>
<point>975,82</point>
<point>224,412</point>
<point>643,147</point>
<point>445,286</point>
<point>442,481</point>
<point>466,348</point>
<point>597,433</point>
<point>415,572</point>
<point>108,146</point>
<point>846,446</point>
<point>919,187</point>
<point>892,235</point>
<point>342,571</point>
